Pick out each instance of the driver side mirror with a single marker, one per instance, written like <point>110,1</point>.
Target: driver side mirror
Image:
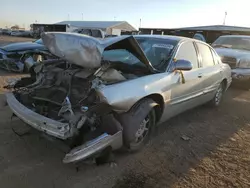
<point>182,65</point>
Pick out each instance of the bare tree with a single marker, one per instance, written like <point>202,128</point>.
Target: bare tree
<point>15,27</point>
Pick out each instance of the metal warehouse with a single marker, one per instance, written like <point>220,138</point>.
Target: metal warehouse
<point>210,33</point>
<point>109,27</point>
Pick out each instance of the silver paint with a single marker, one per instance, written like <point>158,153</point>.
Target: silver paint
<point>200,86</point>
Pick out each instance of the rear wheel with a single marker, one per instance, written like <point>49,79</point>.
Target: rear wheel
<point>216,101</point>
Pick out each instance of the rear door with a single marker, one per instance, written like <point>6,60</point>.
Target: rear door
<point>210,70</point>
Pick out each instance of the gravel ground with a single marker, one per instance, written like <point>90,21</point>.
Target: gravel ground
<point>203,147</point>
<point>5,39</point>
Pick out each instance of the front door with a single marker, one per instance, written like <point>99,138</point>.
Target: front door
<point>186,91</point>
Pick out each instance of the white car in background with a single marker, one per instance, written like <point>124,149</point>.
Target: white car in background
<point>20,33</point>
<point>234,50</point>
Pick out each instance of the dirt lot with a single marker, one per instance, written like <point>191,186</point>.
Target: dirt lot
<point>5,39</point>
<point>203,147</point>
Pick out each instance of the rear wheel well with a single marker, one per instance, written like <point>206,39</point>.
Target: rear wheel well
<point>224,84</point>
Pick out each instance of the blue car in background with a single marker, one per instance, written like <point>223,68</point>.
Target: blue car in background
<point>199,36</point>
<point>19,57</point>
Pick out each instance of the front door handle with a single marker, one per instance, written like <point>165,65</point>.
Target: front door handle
<point>200,75</point>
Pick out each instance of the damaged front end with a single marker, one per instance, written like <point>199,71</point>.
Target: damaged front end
<point>60,100</point>
<point>63,98</point>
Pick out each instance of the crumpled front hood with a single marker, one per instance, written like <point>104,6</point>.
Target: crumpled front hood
<point>87,51</point>
<point>229,52</point>
<point>22,46</point>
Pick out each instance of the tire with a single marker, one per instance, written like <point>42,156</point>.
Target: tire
<point>138,124</point>
<point>216,101</point>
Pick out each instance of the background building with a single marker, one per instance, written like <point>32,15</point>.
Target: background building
<point>210,33</point>
<point>109,27</point>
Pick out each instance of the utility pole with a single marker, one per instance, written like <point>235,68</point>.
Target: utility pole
<point>68,17</point>
<point>224,22</point>
<point>82,16</point>
<point>140,23</point>
<point>114,18</point>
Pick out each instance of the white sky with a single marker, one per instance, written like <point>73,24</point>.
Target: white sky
<point>155,13</point>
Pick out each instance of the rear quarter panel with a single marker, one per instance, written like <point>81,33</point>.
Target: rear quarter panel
<point>226,73</point>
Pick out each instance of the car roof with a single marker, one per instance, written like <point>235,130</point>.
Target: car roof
<point>239,36</point>
<point>178,39</point>
<point>171,37</point>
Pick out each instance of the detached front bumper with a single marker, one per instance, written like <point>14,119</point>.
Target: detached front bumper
<point>62,131</point>
<point>94,146</point>
<point>37,121</point>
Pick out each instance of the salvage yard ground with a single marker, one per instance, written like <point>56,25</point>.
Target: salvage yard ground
<point>203,147</point>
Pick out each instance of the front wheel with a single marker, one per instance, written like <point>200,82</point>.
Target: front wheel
<point>141,136</point>
<point>138,123</point>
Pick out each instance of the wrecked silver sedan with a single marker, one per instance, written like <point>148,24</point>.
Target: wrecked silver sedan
<point>111,93</point>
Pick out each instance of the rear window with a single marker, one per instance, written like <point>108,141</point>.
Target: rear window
<point>206,55</point>
<point>215,57</point>
<point>242,43</point>
<point>96,33</point>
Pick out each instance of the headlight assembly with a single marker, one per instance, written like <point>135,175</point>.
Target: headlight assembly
<point>244,63</point>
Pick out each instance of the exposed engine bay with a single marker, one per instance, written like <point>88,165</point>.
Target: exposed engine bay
<point>67,93</point>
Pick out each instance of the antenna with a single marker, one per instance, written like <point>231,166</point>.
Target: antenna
<point>224,22</point>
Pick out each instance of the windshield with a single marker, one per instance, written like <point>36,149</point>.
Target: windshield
<point>242,43</point>
<point>39,41</point>
<point>158,52</point>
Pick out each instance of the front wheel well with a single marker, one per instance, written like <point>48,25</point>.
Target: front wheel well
<point>160,107</point>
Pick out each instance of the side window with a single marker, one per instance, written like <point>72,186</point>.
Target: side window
<point>199,36</point>
<point>206,55</point>
<point>86,32</point>
<point>215,57</point>
<point>96,33</point>
<point>188,52</point>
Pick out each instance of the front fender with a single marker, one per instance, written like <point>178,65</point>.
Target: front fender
<point>122,96</point>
